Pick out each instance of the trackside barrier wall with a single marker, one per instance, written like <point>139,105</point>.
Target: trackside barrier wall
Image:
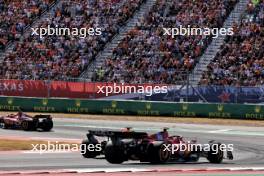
<point>144,108</point>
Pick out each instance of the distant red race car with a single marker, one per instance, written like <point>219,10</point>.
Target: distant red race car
<point>26,122</point>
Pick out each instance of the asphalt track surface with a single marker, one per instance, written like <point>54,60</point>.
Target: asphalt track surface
<point>248,146</point>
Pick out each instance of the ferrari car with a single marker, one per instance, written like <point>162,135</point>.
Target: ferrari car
<point>123,146</point>
<point>27,122</point>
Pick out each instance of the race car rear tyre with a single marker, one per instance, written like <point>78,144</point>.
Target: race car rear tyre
<point>158,154</point>
<point>47,125</point>
<point>86,153</point>
<point>114,154</point>
<point>215,155</point>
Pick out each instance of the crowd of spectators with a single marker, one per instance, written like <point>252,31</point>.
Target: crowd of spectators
<point>15,15</point>
<point>241,59</point>
<point>59,57</point>
<point>146,55</point>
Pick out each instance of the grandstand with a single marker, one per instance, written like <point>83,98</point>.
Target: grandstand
<point>16,16</point>
<point>56,57</point>
<point>146,55</point>
<point>241,58</point>
<point>132,47</point>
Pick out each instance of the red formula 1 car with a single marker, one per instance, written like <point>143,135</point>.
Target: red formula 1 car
<point>124,146</point>
<point>26,122</point>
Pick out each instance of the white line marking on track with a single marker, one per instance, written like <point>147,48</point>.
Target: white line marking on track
<point>108,170</point>
<point>219,131</point>
<point>258,168</point>
<point>240,168</point>
<point>134,170</point>
<point>111,170</point>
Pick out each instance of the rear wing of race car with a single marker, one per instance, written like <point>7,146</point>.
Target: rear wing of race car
<point>117,134</point>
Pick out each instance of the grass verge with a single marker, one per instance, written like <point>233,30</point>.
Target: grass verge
<point>17,144</point>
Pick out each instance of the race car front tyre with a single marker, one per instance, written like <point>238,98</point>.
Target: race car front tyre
<point>158,154</point>
<point>114,154</point>
<point>86,152</point>
<point>47,125</point>
<point>215,155</point>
